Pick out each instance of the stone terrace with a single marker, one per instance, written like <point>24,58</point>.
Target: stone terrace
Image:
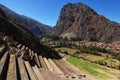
<point>21,63</point>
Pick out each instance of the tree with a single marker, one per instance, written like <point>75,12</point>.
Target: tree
<point>55,38</point>
<point>76,39</point>
<point>65,38</point>
<point>93,38</point>
<point>65,52</point>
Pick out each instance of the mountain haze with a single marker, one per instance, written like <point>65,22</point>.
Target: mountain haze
<point>80,21</point>
<point>34,26</point>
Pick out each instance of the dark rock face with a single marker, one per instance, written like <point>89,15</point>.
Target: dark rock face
<point>34,26</point>
<point>13,29</point>
<point>2,14</point>
<point>79,20</point>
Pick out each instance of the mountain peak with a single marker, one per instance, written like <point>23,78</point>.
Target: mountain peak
<point>79,7</point>
<point>75,4</point>
<point>79,20</point>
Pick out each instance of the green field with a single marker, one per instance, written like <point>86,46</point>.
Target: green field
<point>99,72</point>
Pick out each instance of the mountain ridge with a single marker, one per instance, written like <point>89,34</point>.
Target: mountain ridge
<point>33,25</point>
<point>20,34</point>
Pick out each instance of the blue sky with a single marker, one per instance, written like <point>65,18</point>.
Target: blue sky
<point>48,11</point>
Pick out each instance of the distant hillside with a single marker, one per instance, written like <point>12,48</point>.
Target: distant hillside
<point>34,26</point>
<point>80,21</point>
<point>13,29</point>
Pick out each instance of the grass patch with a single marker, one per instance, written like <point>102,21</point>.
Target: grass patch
<point>111,60</point>
<point>93,69</point>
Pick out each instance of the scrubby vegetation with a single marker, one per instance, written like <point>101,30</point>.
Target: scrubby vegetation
<point>93,50</point>
<point>67,47</point>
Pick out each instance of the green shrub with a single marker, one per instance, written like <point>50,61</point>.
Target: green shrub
<point>59,50</point>
<point>65,52</point>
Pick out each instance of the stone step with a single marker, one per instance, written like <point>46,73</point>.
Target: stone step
<point>70,68</point>
<point>48,75</point>
<point>48,65</point>
<point>45,74</point>
<point>37,72</point>
<point>11,73</point>
<point>55,68</point>
<point>30,71</point>
<point>37,60</point>
<point>42,62</point>
<point>4,66</point>
<point>61,67</point>
<point>2,51</point>
<point>22,70</point>
<point>56,76</point>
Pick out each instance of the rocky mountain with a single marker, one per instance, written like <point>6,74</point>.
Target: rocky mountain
<point>17,32</point>
<point>34,26</point>
<point>80,21</point>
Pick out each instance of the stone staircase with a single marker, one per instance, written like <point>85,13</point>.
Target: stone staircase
<point>21,63</point>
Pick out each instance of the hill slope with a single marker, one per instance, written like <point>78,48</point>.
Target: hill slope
<point>79,20</point>
<point>13,29</point>
<point>34,26</point>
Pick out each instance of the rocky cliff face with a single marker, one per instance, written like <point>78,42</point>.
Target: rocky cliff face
<point>17,32</point>
<point>79,20</point>
<point>34,26</point>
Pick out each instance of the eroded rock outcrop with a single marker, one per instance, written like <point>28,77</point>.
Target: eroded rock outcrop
<point>79,20</point>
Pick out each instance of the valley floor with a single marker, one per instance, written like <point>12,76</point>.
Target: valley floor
<point>95,70</point>
<point>96,62</point>
<point>85,64</point>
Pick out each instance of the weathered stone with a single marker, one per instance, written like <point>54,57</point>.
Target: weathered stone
<point>79,20</point>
